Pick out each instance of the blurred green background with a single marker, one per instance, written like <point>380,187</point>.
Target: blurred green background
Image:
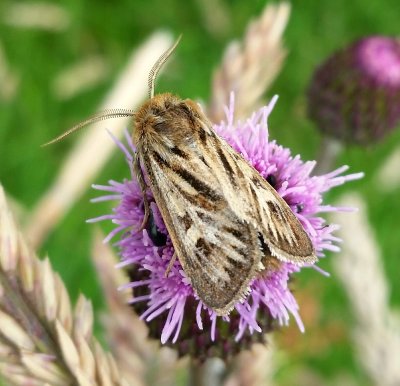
<point>31,114</point>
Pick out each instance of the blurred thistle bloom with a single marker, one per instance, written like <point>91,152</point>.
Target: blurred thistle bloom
<point>354,96</point>
<point>168,304</point>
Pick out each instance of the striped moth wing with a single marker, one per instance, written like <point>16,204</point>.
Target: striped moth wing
<point>223,217</point>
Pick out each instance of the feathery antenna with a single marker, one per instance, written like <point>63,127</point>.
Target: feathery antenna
<point>106,114</point>
<point>157,66</point>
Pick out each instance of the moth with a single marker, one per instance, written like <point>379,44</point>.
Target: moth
<point>226,222</point>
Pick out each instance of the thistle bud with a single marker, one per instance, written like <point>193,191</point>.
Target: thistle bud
<point>354,96</point>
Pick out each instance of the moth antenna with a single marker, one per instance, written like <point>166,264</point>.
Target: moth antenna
<point>106,114</point>
<point>157,66</point>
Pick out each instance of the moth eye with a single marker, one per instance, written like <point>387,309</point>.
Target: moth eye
<point>299,208</point>
<point>271,179</point>
<point>158,238</point>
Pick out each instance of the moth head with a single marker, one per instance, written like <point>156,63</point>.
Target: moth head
<point>168,121</point>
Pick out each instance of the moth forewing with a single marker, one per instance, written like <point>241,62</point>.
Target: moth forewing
<point>256,201</point>
<point>281,229</point>
<point>222,216</point>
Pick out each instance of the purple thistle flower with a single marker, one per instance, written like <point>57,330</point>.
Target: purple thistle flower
<point>169,305</point>
<point>354,95</point>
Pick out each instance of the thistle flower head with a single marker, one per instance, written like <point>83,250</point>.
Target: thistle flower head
<point>354,95</point>
<point>168,303</point>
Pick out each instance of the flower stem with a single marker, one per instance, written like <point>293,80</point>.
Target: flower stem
<point>328,151</point>
<point>210,373</point>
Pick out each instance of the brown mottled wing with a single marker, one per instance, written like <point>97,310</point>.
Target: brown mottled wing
<point>222,216</point>
<point>282,231</point>
<point>218,251</point>
<point>254,201</point>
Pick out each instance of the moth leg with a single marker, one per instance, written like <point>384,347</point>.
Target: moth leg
<point>170,264</point>
<point>142,184</point>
